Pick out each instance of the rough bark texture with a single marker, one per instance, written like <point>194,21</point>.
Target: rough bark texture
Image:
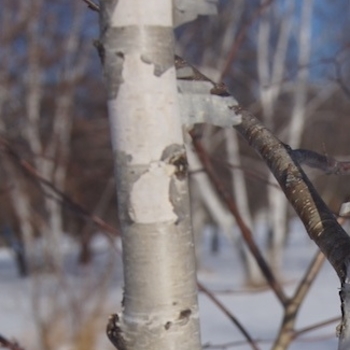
<point>319,222</point>
<point>160,301</point>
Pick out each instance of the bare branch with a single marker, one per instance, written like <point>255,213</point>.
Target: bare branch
<point>212,297</point>
<point>249,173</point>
<point>247,235</point>
<point>92,5</point>
<point>33,174</point>
<point>286,332</point>
<point>241,36</point>
<point>322,162</point>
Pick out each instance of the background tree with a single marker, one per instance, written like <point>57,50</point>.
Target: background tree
<point>234,36</point>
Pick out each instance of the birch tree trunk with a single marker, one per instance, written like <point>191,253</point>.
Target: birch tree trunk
<point>270,87</point>
<point>49,146</point>
<point>277,200</point>
<point>272,78</point>
<point>160,300</point>
<point>18,195</point>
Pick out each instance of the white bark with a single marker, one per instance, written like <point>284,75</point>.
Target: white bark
<point>188,10</point>
<point>278,223</point>
<point>315,102</point>
<point>264,68</point>
<point>18,195</point>
<point>271,86</point>
<point>270,78</point>
<point>160,300</point>
<point>253,272</point>
<point>34,91</point>
<point>20,204</point>
<point>300,96</point>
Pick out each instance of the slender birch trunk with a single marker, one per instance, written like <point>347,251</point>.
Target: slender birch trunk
<point>296,127</point>
<point>160,308</point>
<point>52,155</point>
<point>253,272</point>
<point>270,89</point>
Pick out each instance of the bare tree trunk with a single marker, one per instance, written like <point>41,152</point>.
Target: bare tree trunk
<point>343,329</point>
<point>18,195</point>
<point>271,86</point>
<point>160,300</point>
<point>296,127</point>
<point>52,153</point>
<point>21,203</point>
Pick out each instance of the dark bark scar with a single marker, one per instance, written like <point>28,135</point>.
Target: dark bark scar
<point>114,332</point>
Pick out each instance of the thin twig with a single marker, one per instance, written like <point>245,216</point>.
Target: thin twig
<point>310,275</point>
<point>92,5</point>
<point>304,287</point>
<point>28,169</point>
<point>222,307</point>
<point>249,173</point>
<point>232,344</point>
<point>315,326</point>
<point>239,343</point>
<point>308,279</point>
<point>247,235</point>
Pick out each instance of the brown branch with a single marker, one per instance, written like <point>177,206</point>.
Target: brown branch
<point>308,279</point>
<point>246,233</point>
<point>286,333</point>
<point>241,36</point>
<point>92,6</point>
<point>222,307</point>
<point>322,162</point>
<point>30,171</point>
<point>232,344</point>
<point>239,343</point>
<point>249,173</point>
<point>315,326</point>
<point>7,344</point>
<point>318,220</point>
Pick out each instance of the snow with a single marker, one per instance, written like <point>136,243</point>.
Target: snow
<point>80,291</point>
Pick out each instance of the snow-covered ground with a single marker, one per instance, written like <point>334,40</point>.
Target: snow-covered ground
<point>84,297</point>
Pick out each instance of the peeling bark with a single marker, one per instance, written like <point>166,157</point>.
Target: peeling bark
<point>160,301</point>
